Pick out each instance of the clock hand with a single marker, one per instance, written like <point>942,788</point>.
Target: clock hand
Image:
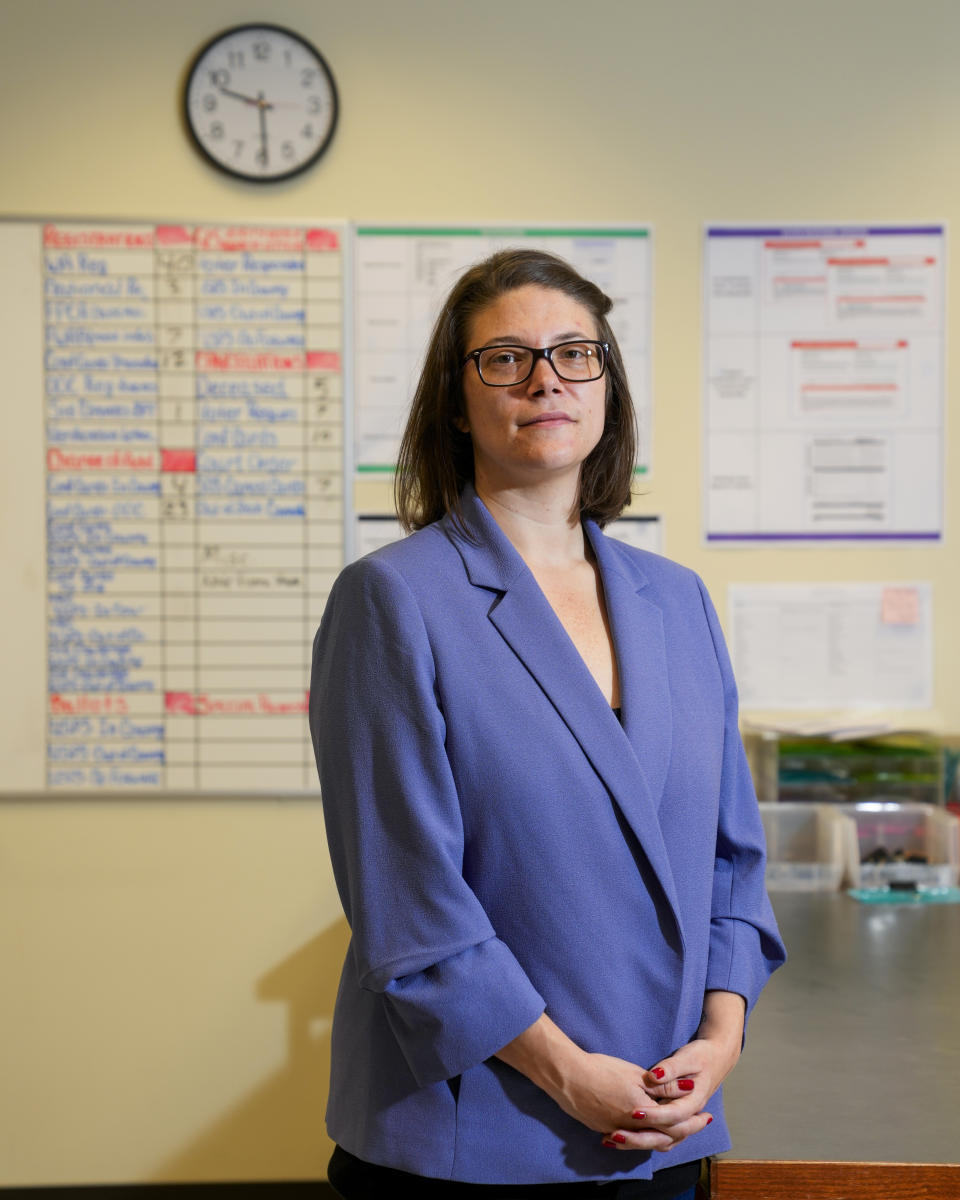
<point>263,106</point>
<point>259,100</point>
<point>237,95</point>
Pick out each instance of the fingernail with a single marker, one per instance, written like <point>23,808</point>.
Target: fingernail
<point>638,1115</point>
<point>607,1142</point>
<point>658,1072</point>
<point>685,1085</point>
<point>619,1138</point>
<point>709,1118</point>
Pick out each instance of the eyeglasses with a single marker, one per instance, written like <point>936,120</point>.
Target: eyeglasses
<point>573,362</point>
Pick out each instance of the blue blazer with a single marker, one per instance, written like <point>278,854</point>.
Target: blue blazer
<point>502,845</point>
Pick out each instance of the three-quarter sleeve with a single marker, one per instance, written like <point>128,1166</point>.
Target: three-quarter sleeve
<point>745,947</point>
<point>453,992</point>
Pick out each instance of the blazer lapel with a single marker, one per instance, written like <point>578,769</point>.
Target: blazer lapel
<point>637,627</point>
<point>528,624</point>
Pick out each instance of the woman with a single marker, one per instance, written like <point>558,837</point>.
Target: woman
<point>540,818</point>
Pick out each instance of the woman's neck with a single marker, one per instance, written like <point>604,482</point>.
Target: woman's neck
<point>542,524</point>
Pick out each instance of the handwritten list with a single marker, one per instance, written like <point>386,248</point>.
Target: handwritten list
<point>194,480</point>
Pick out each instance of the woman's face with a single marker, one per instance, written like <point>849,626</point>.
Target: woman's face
<point>544,428</point>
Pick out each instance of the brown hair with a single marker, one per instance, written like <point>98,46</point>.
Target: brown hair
<point>436,458</point>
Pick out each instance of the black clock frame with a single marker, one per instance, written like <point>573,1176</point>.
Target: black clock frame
<point>246,176</point>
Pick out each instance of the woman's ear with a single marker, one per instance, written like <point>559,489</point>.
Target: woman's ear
<point>462,424</point>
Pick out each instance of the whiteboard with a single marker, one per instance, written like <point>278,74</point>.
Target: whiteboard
<point>173,500</point>
<point>402,274</point>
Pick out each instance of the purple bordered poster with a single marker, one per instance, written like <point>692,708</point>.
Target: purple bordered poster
<point>823,388</point>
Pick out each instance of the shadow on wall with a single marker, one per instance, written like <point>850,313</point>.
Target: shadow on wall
<point>277,1131</point>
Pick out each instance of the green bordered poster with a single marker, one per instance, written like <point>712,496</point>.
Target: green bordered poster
<point>403,273</point>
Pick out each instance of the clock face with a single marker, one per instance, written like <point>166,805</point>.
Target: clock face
<point>260,102</point>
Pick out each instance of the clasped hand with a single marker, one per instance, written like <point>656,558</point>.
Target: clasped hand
<point>633,1108</point>
<point>655,1109</point>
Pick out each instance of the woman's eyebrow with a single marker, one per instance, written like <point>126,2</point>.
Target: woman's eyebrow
<point>513,339</point>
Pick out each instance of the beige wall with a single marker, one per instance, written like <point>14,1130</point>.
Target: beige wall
<point>168,969</point>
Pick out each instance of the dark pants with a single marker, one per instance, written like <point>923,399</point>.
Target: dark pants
<point>354,1179</point>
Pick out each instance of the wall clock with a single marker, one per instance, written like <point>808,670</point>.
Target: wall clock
<point>260,102</point>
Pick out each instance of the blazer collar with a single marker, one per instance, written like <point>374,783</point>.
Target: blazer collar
<point>632,759</point>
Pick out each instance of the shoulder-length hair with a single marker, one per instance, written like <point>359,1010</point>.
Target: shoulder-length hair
<point>436,458</point>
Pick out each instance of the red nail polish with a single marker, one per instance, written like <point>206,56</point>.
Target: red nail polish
<point>658,1072</point>
<point>619,1138</point>
<point>607,1142</point>
<point>685,1085</point>
<point>709,1118</point>
<point>638,1115</point>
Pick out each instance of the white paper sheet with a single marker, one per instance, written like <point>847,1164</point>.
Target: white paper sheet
<point>832,645</point>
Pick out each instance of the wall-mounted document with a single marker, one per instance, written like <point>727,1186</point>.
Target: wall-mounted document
<point>182,391</point>
<point>371,531</point>
<point>402,276</point>
<point>823,383</point>
<point>644,532</point>
<point>832,645</point>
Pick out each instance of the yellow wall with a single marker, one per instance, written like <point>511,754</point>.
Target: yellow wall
<point>168,968</point>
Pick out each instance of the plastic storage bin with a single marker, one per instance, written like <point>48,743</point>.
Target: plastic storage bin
<point>900,831</point>
<point>809,846</point>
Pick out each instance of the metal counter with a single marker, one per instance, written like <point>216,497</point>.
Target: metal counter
<point>853,1051</point>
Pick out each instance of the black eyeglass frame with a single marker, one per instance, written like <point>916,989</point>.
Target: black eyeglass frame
<point>546,352</point>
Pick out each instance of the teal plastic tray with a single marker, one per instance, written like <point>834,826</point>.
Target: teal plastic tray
<point>923,895</point>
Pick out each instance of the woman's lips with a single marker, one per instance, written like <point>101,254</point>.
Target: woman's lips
<point>548,418</point>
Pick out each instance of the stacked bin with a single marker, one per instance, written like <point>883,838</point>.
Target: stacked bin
<point>874,844</point>
<point>903,844</point>
<point>810,847</point>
